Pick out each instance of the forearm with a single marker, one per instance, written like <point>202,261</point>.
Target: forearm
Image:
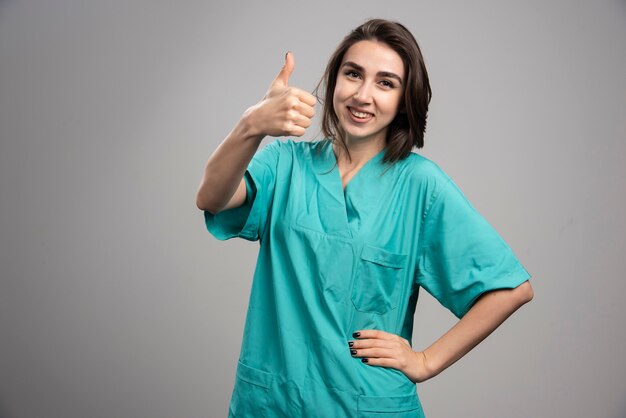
<point>226,166</point>
<point>489,311</point>
<point>283,111</point>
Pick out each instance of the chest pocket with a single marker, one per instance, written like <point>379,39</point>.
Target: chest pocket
<point>376,284</point>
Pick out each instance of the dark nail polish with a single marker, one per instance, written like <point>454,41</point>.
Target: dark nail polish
<point>364,360</point>
<point>353,352</point>
<point>350,343</point>
<point>356,334</point>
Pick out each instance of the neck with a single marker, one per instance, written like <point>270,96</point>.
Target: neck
<point>360,152</point>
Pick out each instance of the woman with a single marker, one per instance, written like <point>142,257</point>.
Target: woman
<point>344,252</point>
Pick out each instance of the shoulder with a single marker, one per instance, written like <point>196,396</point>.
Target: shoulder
<point>423,166</point>
<point>286,153</point>
<point>305,147</point>
<point>291,146</point>
<point>302,150</point>
<point>425,172</point>
<point>274,150</point>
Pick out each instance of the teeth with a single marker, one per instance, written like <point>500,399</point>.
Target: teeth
<point>360,114</point>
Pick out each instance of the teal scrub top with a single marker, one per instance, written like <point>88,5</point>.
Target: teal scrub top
<point>334,261</point>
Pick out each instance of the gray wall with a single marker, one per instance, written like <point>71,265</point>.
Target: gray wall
<point>116,302</point>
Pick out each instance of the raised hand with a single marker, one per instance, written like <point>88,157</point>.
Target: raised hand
<point>284,110</point>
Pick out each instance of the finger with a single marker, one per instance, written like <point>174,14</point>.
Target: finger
<point>304,96</point>
<point>283,76</point>
<point>301,120</point>
<point>374,343</point>
<point>381,362</point>
<point>305,109</point>
<point>373,352</point>
<point>374,333</point>
<point>294,130</point>
<point>293,103</point>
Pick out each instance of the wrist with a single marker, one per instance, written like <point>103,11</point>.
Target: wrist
<point>249,127</point>
<point>430,363</point>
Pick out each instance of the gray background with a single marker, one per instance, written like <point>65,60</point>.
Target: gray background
<point>116,302</point>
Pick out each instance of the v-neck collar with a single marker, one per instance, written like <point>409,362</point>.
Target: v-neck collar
<point>373,161</point>
<point>339,209</point>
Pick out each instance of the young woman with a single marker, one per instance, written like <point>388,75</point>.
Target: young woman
<point>350,227</point>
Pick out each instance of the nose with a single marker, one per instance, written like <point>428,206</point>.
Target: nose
<point>364,92</point>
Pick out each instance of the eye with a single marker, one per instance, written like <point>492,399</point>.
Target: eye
<point>351,73</point>
<point>388,84</point>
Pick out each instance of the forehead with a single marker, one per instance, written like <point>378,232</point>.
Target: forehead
<point>375,56</point>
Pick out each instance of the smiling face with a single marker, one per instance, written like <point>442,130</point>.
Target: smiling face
<point>368,91</point>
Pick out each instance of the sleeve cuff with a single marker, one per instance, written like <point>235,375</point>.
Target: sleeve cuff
<point>242,221</point>
<point>518,276</point>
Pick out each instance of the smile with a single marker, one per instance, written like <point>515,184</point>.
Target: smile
<point>360,116</point>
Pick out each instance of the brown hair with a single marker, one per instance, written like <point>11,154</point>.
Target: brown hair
<point>407,129</point>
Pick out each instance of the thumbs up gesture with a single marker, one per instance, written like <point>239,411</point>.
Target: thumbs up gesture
<point>284,110</point>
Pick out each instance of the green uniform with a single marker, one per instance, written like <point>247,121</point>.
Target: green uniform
<point>332,262</point>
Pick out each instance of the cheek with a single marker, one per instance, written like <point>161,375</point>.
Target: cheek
<point>337,98</point>
<point>394,104</point>
<point>342,90</point>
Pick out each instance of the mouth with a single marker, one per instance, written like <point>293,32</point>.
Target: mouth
<point>359,116</point>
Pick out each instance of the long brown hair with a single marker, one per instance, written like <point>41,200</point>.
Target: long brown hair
<point>408,127</point>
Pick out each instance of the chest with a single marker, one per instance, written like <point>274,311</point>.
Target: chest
<point>368,204</point>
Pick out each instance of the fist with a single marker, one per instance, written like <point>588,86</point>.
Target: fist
<point>284,110</point>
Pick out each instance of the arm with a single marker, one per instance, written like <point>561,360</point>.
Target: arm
<point>381,348</point>
<point>283,111</point>
<point>224,170</point>
<point>489,311</point>
<point>460,253</point>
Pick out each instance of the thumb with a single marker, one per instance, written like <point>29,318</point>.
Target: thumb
<point>285,72</point>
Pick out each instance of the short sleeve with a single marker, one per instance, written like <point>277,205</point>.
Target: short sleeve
<point>460,254</point>
<point>248,220</point>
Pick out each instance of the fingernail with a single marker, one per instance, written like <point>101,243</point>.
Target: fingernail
<point>356,334</point>
<point>286,53</point>
<point>364,360</point>
<point>350,343</point>
<point>353,352</point>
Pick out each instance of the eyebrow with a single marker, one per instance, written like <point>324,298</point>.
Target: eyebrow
<point>380,73</point>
